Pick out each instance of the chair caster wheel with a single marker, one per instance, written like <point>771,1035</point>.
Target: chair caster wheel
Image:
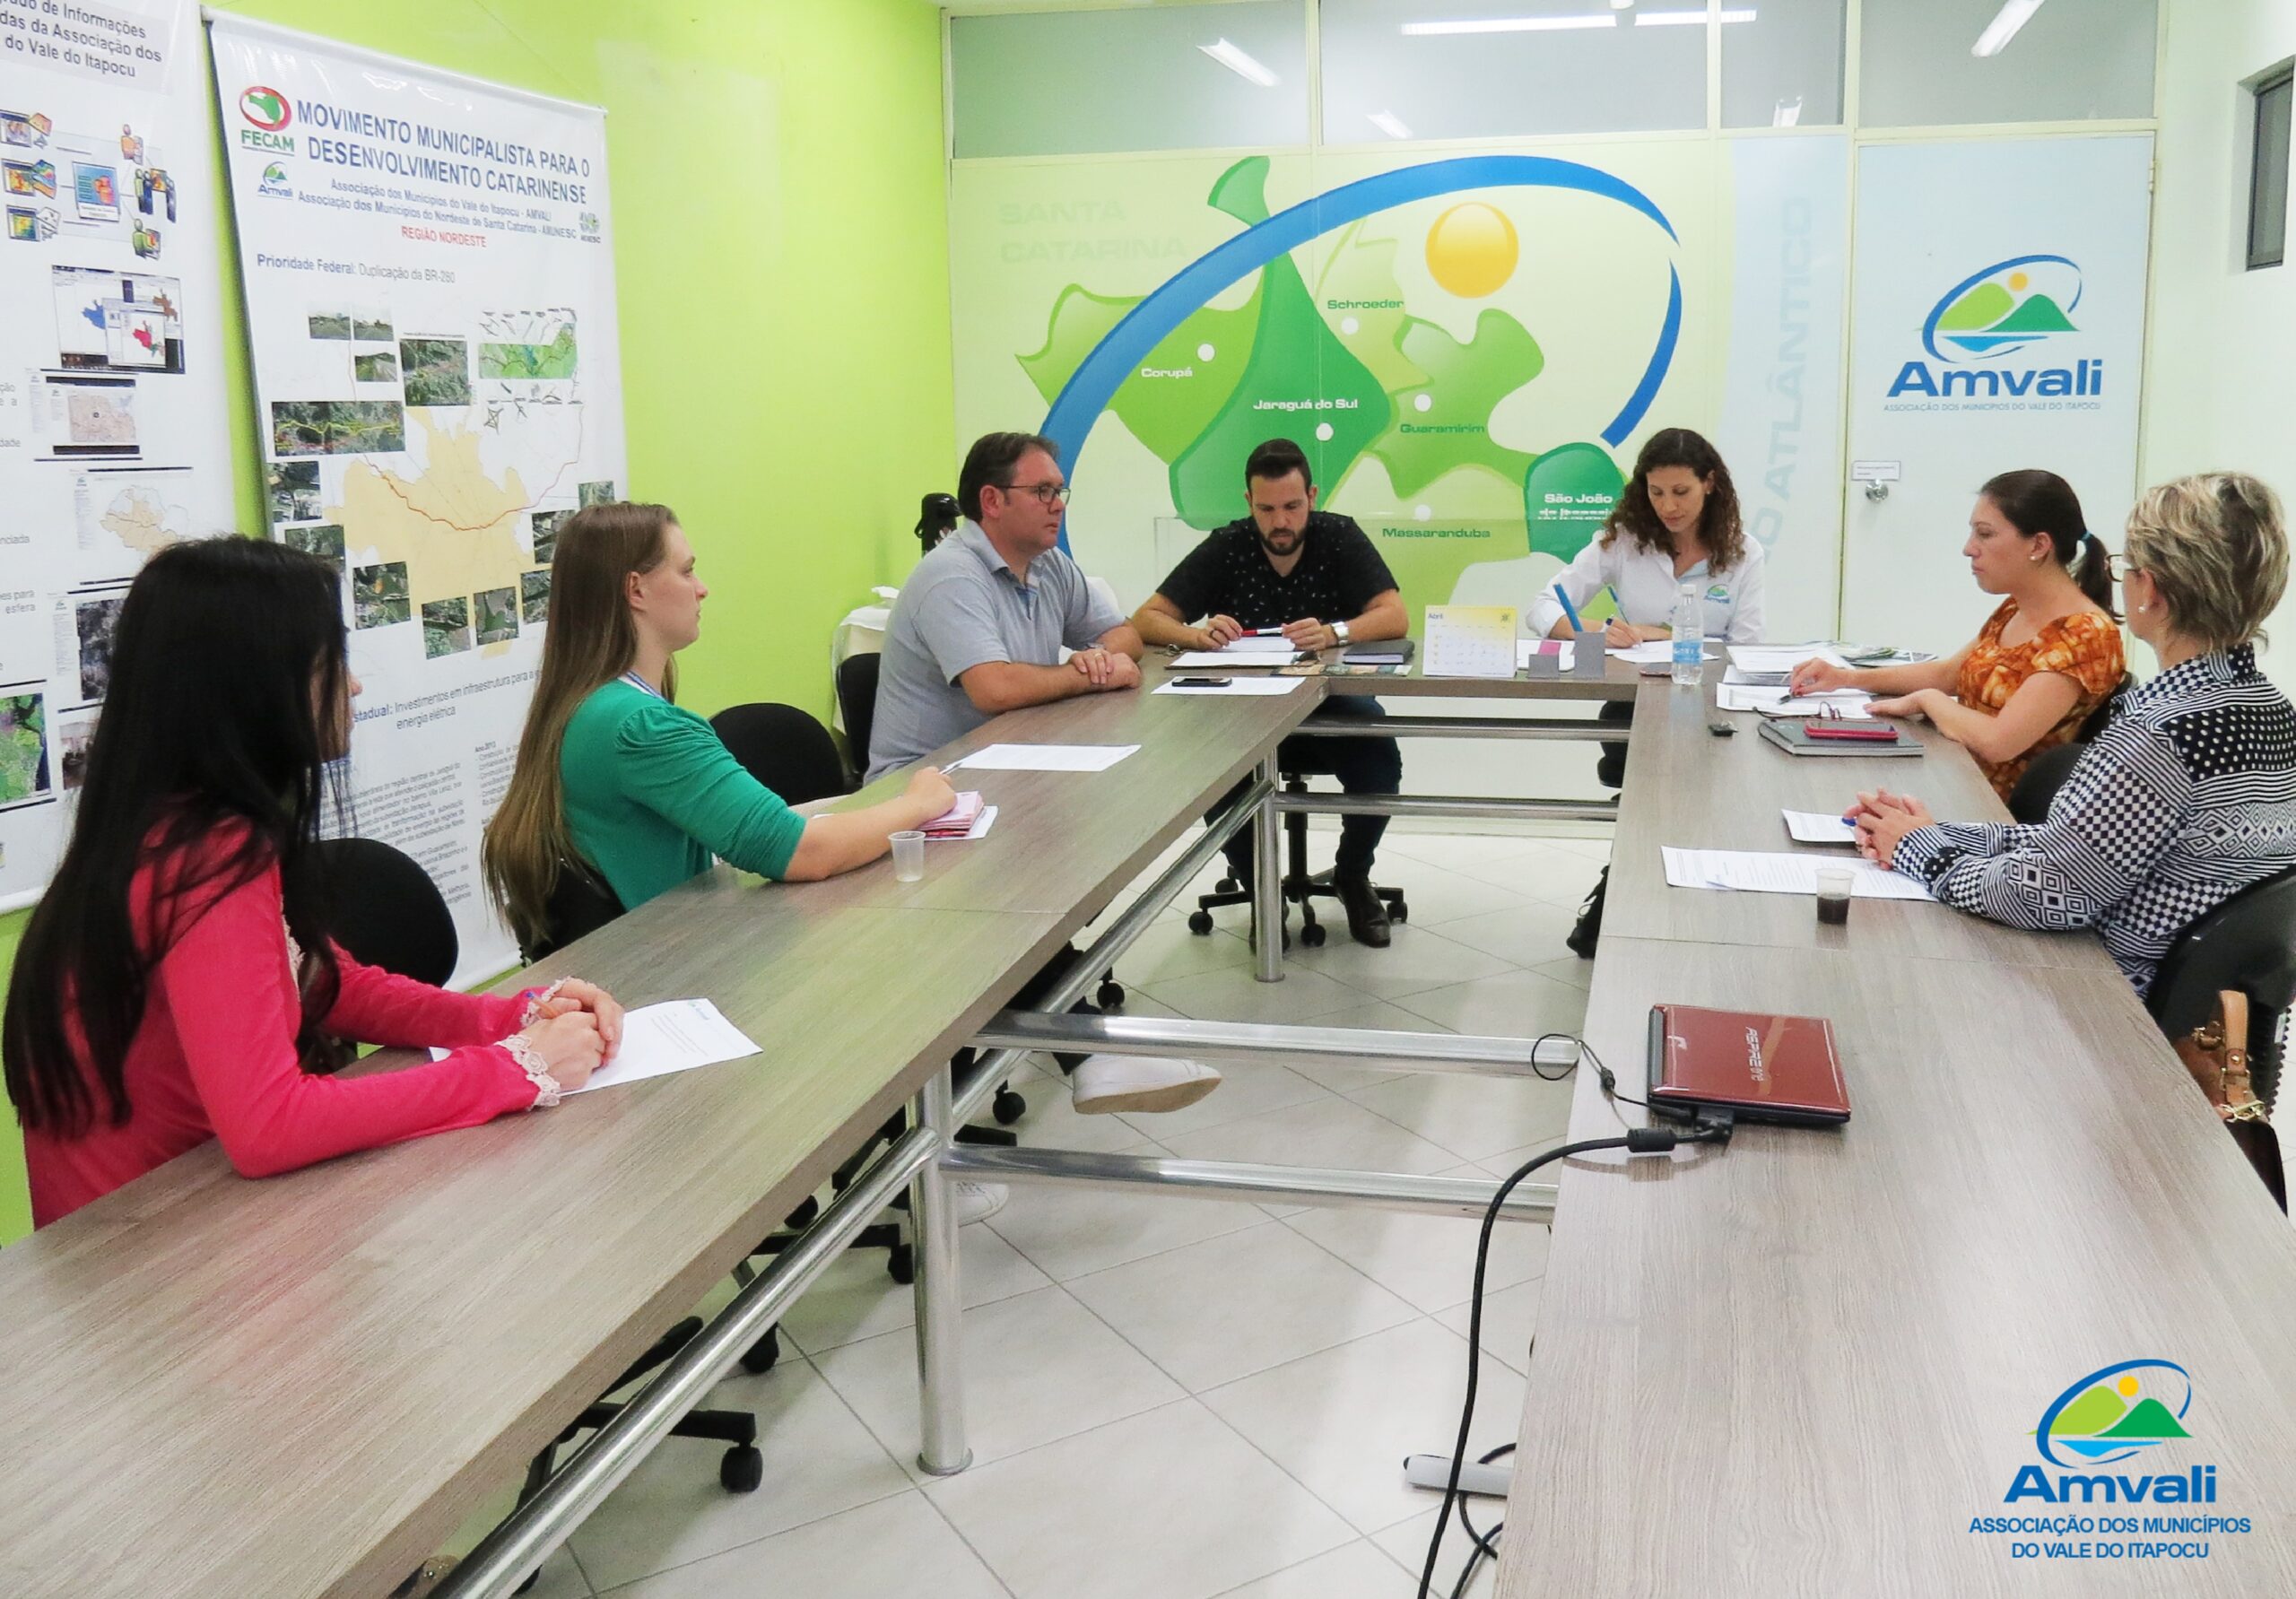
<point>1399,912</point>
<point>533,1577</point>
<point>1199,922</point>
<point>803,1216</point>
<point>1312,936</point>
<point>742,1470</point>
<point>1007,1108</point>
<point>900,1265</point>
<point>1109,997</point>
<point>1227,885</point>
<point>759,1358</point>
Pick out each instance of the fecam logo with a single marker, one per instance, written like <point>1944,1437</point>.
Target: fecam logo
<point>267,109</point>
<point>2110,1416</point>
<point>2008,306</point>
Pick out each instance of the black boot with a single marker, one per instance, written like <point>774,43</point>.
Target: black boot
<point>1589,926</point>
<point>1367,915</point>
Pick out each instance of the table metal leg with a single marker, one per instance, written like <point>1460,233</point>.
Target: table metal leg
<point>940,1353</point>
<point>1267,881</point>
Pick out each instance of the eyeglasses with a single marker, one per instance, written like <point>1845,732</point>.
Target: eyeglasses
<point>2119,565</point>
<point>1048,494</point>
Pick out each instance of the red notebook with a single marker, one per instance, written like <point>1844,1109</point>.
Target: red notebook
<point>1764,1067</point>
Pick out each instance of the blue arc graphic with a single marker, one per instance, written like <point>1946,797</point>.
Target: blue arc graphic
<point>1929,329</point>
<point>1089,389</point>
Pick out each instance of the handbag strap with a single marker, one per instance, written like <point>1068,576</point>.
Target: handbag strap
<point>2240,1101</point>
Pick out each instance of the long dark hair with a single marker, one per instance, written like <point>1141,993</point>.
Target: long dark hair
<point>1720,527</point>
<point>2035,502</point>
<point>208,764</point>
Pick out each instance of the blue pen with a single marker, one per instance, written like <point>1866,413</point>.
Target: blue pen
<point>1618,608</point>
<point>1568,610</point>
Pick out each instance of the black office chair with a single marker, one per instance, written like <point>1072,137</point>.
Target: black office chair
<point>2247,944</point>
<point>785,748</point>
<point>1301,887</point>
<point>386,912</point>
<point>582,903</point>
<point>2029,800</point>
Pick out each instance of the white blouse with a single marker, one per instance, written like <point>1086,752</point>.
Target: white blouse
<point>1646,584</point>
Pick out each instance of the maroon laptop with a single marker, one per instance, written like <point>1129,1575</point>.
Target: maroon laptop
<point>1764,1067</point>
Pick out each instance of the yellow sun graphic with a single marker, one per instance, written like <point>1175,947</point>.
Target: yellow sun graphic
<point>2017,280</point>
<point>2127,1384</point>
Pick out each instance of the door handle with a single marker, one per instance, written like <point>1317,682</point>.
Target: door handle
<point>1877,492</point>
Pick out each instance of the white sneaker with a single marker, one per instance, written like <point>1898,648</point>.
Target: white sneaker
<point>977,1201</point>
<point>1110,1083</point>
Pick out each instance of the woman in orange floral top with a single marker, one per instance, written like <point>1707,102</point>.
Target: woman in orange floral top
<point>2046,658</point>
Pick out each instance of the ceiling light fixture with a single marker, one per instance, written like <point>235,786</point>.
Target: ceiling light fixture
<point>1237,61</point>
<point>1509,25</point>
<point>2014,14</point>
<point>1689,19</point>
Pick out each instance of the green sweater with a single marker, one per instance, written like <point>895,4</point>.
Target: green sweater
<point>651,795</point>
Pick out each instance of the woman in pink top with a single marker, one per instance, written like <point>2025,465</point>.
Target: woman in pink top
<point>177,982</point>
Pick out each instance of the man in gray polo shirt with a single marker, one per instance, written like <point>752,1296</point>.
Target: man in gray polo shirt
<point>977,631</point>
<point>980,624</point>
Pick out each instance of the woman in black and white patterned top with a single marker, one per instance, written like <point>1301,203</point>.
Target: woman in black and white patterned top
<point>2189,795</point>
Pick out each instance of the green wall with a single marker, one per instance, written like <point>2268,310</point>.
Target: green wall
<point>781,234</point>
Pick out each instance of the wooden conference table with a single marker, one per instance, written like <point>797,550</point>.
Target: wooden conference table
<point>1754,1369</point>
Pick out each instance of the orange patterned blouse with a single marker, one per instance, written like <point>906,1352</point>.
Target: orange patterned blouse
<point>2085,646</point>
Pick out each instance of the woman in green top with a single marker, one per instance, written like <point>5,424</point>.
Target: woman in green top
<point>612,772</point>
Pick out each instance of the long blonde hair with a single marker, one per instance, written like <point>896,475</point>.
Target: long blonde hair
<point>591,640</point>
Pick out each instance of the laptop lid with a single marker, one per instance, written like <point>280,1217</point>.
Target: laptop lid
<point>1762,1066</point>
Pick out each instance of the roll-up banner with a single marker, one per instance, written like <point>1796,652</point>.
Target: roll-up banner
<point>113,437</point>
<point>428,272</point>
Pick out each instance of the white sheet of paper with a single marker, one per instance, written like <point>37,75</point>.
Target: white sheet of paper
<point>1761,872</point>
<point>1043,758</point>
<point>980,826</point>
<point>1781,657</point>
<point>1251,642</point>
<point>1818,826</point>
<point>1220,660</point>
<point>675,1036</point>
<point>1238,685</point>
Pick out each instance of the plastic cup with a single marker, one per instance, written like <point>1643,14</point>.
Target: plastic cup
<point>1833,895</point>
<point>908,856</point>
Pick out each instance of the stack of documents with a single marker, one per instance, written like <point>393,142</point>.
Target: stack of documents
<point>1253,649</point>
<point>1759,872</point>
<point>1768,665</point>
<point>1654,652</point>
<point>1043,758</point>
<point>1847,705</point>
<point>958,820</point>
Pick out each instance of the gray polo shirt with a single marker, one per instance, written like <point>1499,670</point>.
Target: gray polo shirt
<point>961,608</point>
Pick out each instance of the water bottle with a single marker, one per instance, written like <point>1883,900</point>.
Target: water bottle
<point>1690,636</point>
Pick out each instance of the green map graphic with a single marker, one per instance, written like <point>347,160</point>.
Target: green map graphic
<point>1390,387</point>
<point>553,359</point>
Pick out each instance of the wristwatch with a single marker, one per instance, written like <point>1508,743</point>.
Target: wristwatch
<point>1339,632</point>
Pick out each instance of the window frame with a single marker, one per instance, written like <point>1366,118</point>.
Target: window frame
<point>2280,81</point>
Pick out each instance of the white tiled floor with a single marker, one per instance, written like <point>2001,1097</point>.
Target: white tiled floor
<point>1173,1398</point>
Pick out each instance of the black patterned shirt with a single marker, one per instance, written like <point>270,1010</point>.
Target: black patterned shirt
<point>2187,797</point>
<point>1339,573</point>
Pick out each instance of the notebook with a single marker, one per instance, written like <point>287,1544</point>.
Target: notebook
<point>1766,1068</point>
<point>1795,739</point>
<point>1379,652</point>
<point>958,819</point>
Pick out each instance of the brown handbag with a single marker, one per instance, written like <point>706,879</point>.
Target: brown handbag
<point>2217,1056</point>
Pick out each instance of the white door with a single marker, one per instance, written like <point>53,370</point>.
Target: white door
<point>1997,322</point>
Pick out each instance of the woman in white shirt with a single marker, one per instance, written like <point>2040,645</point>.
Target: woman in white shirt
<point>1676,522</point>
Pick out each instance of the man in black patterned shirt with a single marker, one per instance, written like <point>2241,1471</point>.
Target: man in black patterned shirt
<point>1319,578</point>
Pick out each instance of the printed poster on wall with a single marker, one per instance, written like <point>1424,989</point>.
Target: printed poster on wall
<point>430,303</point>
<point>113,436</point>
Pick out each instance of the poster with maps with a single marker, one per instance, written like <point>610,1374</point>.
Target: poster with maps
<point>431,305</point>
<point>114,438</point>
